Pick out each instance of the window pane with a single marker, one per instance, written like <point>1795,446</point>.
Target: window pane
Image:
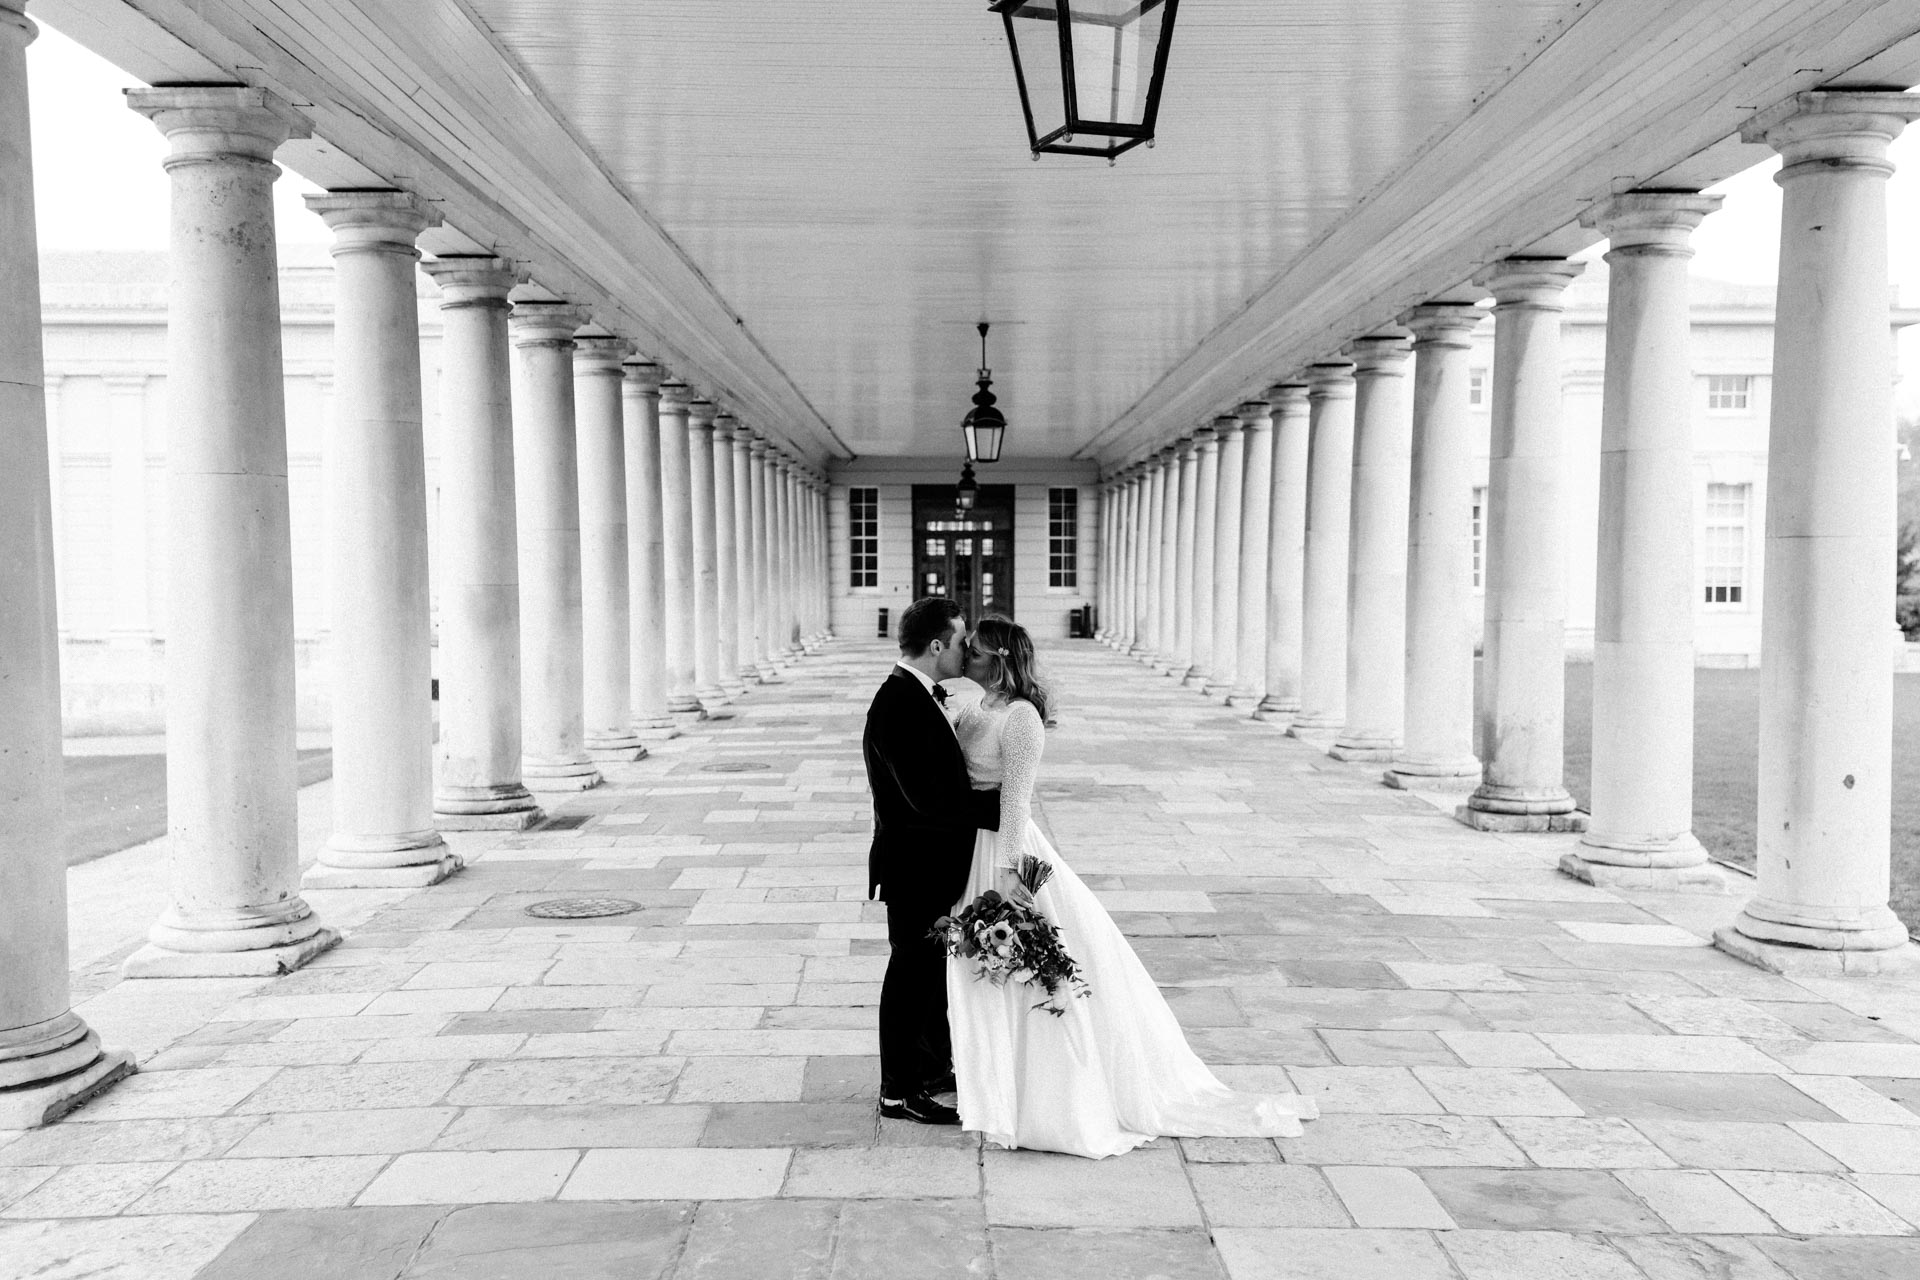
<point>1063,537</point>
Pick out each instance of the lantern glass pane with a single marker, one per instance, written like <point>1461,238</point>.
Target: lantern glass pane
<point>1036,35</point>
<point>1114,42</point>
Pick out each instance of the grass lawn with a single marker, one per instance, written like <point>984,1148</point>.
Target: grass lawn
<point>1726,717</point>
<point>116,802</point>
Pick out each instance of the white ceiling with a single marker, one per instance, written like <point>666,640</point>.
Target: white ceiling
<point>805,206</point>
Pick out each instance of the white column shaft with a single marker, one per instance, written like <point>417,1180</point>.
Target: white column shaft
<point>726,564</point>
<point>1205,502</point>
<point>606,609</point>
<point>1256,520</point>
<point>1183,552</point>
<point>1286,550</point>
<point>746,632</point>
<point>1438,725</point>
<point>478,782</point>
<point>1323,584</point>
<point>646,551</point>
<point>1231,487</point>
<point>706,559</point>
<point>763,610</point>
<point>1156,490</point>
<point>379,615</point>
<point>1377,551</point>
<point>236,906</point>
<point>547,487</point>
<point>676,487</point>
<point>1168,525</point>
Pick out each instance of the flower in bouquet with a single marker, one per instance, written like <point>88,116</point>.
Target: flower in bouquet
<point>1007,938</point>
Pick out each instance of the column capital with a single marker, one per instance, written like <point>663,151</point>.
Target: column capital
<point>1833,127</point>
<point>1650,222</point>
<point>700,414</point>
<point>1330,380</point>
<point>204,122</point>
<point>1381,355</point>
<point>541,319</point>
<point>760,447</point>
<point>374,221</point>
<point>597,350</point>
<point>1226,427</point>
<point>642,374</point>
<point>1184,447</point>
<point>1205,439</point>
<point>1443,324</point>
<point>1284,398</point>
<point>1255,415</point>
<point>481,281</point>
<point>675,396</point>
<point>724,424</point>
<point>1536,283</point>
<point>1167,454</point>
<point>13,17</point>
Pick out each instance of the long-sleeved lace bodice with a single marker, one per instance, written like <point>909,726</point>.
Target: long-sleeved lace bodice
<point>1003,745</point>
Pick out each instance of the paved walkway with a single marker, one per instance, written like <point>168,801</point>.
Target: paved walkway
<point>1523,1078</point>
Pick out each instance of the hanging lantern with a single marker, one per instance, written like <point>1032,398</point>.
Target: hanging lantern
<point>968,492</point>
<point>1089,71</point>
<point>984,427</point>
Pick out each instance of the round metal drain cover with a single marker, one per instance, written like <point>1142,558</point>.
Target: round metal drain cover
<point>581,908</point>
<point>735,766</point>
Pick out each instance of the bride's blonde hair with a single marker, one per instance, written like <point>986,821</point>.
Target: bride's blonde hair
<point>1011,670</point>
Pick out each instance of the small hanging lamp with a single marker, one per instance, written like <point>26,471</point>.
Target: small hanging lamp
<point>984,427</point>
<point>968,491</point>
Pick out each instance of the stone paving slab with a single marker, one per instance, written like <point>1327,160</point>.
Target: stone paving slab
<point>1522,1077</point>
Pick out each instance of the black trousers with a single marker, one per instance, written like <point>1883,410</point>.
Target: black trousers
<point>915,1044</point>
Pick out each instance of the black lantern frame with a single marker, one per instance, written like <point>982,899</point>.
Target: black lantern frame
<point>967,492</point>
<point>1078,134</point>
<point>985,427</point>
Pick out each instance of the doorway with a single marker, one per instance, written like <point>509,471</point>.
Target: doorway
<point>968,556</point>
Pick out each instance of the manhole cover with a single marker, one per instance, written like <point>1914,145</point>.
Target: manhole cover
<point>581,908</point>
<point>735,766</point>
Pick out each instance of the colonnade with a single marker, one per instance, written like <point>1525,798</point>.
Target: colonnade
<point>1310,555</point>
<point>619,557</point>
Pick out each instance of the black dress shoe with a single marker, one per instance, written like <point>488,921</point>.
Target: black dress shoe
<point>942,1084</point>
<point>919,1108</point>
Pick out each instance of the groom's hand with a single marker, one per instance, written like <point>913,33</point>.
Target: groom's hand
<point>986,810</point>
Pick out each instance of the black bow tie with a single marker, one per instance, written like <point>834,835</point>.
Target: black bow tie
<point>939,693</point>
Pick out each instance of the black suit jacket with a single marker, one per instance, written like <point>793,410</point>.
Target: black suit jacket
<point>924,808</point>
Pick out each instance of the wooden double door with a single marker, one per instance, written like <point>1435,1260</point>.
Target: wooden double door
<point>966,556</point>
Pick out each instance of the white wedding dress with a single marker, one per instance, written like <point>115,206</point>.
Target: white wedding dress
<point>1113,1072</point>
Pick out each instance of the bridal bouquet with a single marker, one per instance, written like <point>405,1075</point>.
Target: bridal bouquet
<point>1008,939</point>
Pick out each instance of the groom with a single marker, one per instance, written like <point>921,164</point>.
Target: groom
<point>925,815</point>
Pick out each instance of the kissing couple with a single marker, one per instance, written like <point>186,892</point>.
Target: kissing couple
<point>952,784</point>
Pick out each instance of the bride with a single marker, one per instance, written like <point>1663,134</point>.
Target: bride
<point>1115,1071</point>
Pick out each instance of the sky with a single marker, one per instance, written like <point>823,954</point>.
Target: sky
<point>99,185</point>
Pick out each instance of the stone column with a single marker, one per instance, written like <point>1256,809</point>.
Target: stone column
<point>726,563</point>
<point>1226,555</point>
<point>1151,643</point>
<point>1206,502</point>
<point>763,611</point>
<point>746,631</point>
<point>817,627</point>
<point>1438,726</point>
<point>606,611</point>
<point>478,786</point>
<point>1167,551</point>
<point>546,468</point>
<point>1523,652</point>
<point>1826,702</point>
<point>786,637</point>
<point>133,533</point>
<point>1641,831</point>
<point>1109,557</point>
<point>706,559</point>
<point>646,552</point>
<point>236,908</point>
<point>1256,519</point>
<point>1286,550</point>
<point>1377,551</point>
<point>1187,454</point>
<point>50,1060</point>
<point>1323,579</point>
<point>381,679</point>
<point>1123,631</point>
<point>676,488</point>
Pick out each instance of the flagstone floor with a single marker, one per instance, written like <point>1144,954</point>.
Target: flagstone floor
<point>1523,1078</point>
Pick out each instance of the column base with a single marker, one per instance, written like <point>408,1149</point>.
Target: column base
<point>1460,776</point>
<point>1517,823</point>
<point>711,696</point>
<point>1248,698</point>
<point>566,775</point>
<point>623,750</point>
<point>156,961</point>
<point>505,806</point>
<point>1364,748</point>
<point>679,704</point>
<point>1700,877</point>
<point>749,674</point>
<point>1216,688</point>
<point>509,820</point>
<point>1791,961</point>
<point>410,861</point>
<point>1277,709</point>
<point>768,673</point>
<point>734,688</point>
<point>655,729</point>
<point>1196,678</point>
<point>32,1105</point>
<point>1313,724</point>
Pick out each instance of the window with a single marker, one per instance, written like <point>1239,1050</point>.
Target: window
<point>1476,387</point>
<point>863,529</point>
<point>1479,538</point>
<point>1063,538</point>
<point>1728,392</point>
<point>1725,543</point>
